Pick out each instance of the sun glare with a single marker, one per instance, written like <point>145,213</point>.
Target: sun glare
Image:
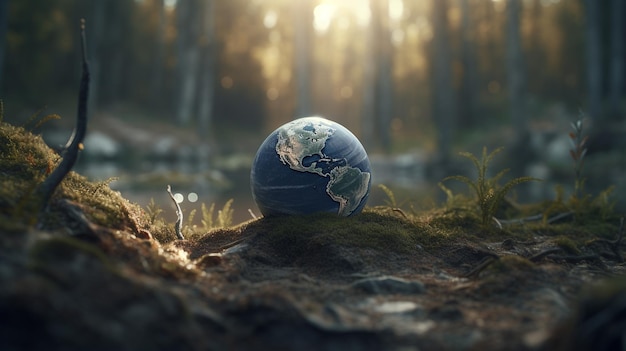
<point>396,9</point>
<point>323,15</point>
<point>270,19</point>
<point>328,11</point>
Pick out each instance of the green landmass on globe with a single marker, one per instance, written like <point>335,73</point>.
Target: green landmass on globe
<point>320,147</point>
<point>306,137</point>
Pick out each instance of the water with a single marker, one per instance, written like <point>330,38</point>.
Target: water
<point>199,184</point>
<point>144,182</point>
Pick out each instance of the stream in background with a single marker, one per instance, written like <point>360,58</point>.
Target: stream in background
<point>143,164</point>
<point>198,183</point>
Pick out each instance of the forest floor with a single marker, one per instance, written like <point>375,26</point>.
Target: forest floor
<point>98,272</point>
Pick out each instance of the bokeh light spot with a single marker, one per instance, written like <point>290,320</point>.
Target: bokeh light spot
<point>192,197</point>
<point>179,197</point>
<point>272,94</point>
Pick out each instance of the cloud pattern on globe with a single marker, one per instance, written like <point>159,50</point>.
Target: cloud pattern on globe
<point>311,165</point>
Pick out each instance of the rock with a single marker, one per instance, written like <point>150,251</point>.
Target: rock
<point>399,307</point>
<point>209,260</point>
<point>98,144</point>
<point>389,285</point>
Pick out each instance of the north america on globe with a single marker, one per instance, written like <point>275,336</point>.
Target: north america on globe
<point>329,161</point>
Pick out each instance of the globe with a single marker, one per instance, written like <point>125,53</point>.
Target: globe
<point>310,165</point>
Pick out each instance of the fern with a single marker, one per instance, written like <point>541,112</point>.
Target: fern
<point>605,206</point>
<point>578,152</point>
<point>488,194</point>
<point>207,216</point>
<point>391,198</point>
<point>190,228</point>
<point>224,217</point>
<point>154,211</point>
<point>46,119</point>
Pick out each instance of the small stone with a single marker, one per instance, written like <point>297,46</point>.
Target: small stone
<point>397,307</point>
<point>209,260</point>
<point>446,312</point>
<point>389,285</point>
<point>143,234</point>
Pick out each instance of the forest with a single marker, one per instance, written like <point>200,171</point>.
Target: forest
<point>485,211</point>
<point>425,78</point>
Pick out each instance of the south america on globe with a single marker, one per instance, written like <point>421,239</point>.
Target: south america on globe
<point>310,165</point>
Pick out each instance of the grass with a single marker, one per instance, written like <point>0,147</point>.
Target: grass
<point>488,193</point>
<point>25,160</point>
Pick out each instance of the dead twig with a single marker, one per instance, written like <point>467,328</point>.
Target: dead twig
<point>252,214</point>
<point>45,190</point>
<point>576,259</point>
<point>559,216</point>
<point>538,256</point>
<point>481,266</point>
<point>234,242</point>
<point>519,220</point>
<point>399,210</point>
<point>179,214</point>
<point>614,245</point>
<point>533,218</point>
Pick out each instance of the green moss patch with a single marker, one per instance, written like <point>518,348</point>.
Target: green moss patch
<point>25,161</point>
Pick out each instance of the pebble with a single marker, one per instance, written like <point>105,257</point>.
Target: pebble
<point>209,260</point>
<point>389,285</point>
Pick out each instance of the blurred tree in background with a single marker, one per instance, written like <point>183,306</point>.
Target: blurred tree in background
<point>393,71</point>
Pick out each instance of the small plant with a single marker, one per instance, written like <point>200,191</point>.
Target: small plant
<point>189,229</point>
<point>488,193</point>
<point>578,152</point>
<point>224,217</point>
<point>35,121</point>
<point>154,211</point>
<point>391,197</point>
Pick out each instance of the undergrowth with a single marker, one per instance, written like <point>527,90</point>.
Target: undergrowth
<point>488,194</point>
<point>25,161</point>
<point>210,219</point>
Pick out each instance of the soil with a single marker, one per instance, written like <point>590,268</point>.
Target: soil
<point>244,289</point>
<point>95,272</point>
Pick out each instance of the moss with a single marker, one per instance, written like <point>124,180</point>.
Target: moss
<point>25,161</point>
<point>509,263</point>
<point>376,229</point>
<point>60,250</point>
<point>566,244</point>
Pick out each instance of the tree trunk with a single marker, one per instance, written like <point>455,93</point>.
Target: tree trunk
<point>188,24</point>
<point>515,68</point>
<point>385,77</point>
<point>159,57</point>
<point>469,83</point>
<point>205,110</point>
<point>95,35</point>
<point>368,114</point>
<point>3,34</point>
<point>382,52</point>
<point>594,68</point>
<point>616,88</point>
<point>516,87</point>
<point>535,55</point>
<point>303,24</point>
<point>443,95</point>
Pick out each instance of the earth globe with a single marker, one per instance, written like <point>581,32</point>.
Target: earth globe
<point>310,165</point>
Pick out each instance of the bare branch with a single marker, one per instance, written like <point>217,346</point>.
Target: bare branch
<point>75,143</point>
<point>179,214</point>
<point>540,255</point>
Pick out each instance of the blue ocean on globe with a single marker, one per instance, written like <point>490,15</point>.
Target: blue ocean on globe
<point>311,165</point>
